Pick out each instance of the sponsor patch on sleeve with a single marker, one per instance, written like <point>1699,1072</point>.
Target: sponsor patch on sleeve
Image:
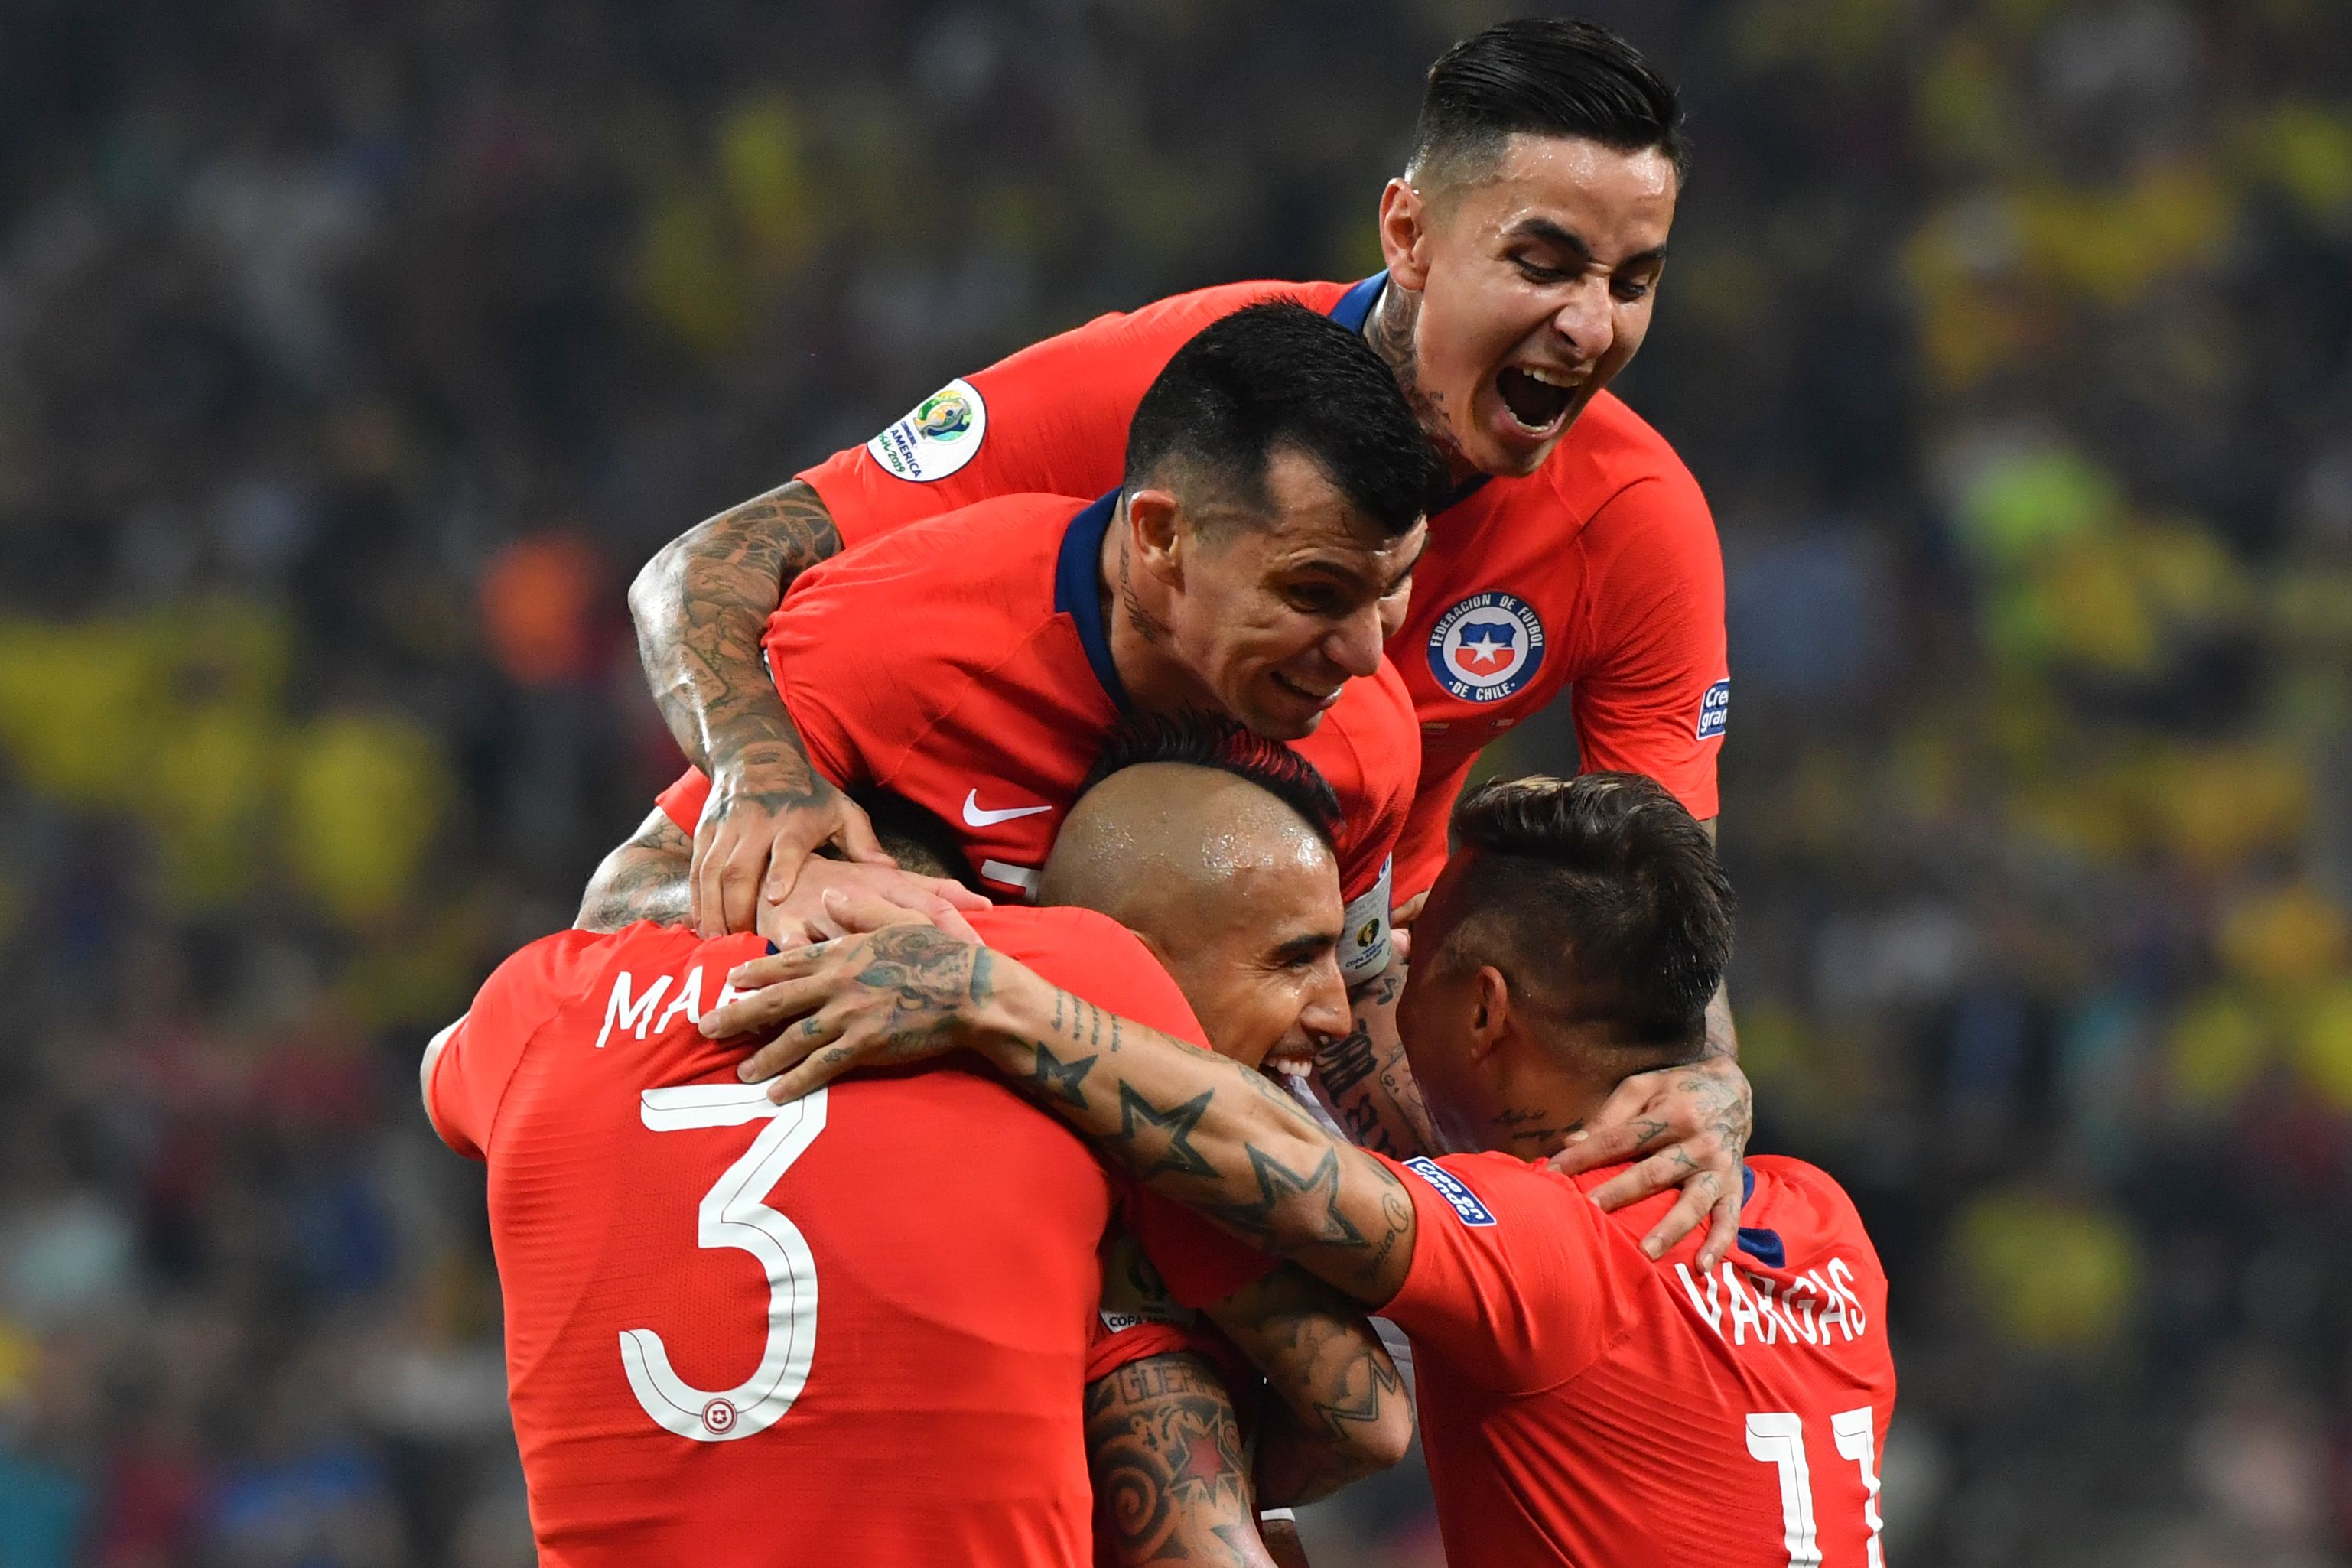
<point>1463,1201</point>
<point>937,438</point>
<point>1713,709</point>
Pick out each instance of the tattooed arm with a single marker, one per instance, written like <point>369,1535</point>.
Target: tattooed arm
<point>1208,1132</point>
<point>1342,1411</point>
<point>643,879</point>
<point>1171,1481</point>
<point>1363,1078</point>
<point>702,605</point>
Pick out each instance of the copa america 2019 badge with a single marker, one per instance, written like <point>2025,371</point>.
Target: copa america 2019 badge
<point>1486,648</point>
<point>937,438</point>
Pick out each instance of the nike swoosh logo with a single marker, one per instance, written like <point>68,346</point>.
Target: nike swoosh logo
<point>975,817</point>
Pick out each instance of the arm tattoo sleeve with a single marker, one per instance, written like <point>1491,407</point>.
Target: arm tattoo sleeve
<point>702,605</point>
<point>1165,1451</point>
<point>1340,1410</point>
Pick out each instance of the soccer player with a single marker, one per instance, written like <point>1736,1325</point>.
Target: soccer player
<point>1524,244</point>
<point>1581,1401</point>
<point>1271,511</point>
<point>931,1410</point>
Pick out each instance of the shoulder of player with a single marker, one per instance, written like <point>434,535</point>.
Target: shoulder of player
<point>999,529</point>
<point>1615,472</point>
<point>1094,957</point>
<point>1491,1187</point>
<point>993,558</point>
<point>1793,1195</point>
<point>1197,307</point>
<point>1373,723</point>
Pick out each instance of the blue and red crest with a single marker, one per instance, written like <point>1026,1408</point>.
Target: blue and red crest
<point>1486,648</point>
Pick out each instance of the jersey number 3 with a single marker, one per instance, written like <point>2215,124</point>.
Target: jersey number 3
<point>1777,1438</point>
<point>735,1215</point>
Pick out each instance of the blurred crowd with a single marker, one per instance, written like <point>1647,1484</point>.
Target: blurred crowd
<point>351,357</point>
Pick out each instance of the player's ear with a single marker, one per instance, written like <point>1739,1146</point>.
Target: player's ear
<point>1404,234</point>
<point>1154,536</point>
<point>1490,1012</point>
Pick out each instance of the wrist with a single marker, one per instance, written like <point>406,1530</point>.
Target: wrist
<point>1011,1012</point>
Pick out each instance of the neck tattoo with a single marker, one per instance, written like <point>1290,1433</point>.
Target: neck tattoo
<point>1388,329</point>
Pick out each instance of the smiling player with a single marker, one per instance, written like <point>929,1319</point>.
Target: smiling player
<point>1524,244</point>
<point>1271,513</point>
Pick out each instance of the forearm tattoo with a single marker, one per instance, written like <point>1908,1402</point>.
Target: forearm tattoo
<point>1337,1200</point>
<point>1165,1450</point>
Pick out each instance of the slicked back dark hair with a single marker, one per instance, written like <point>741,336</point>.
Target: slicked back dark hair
<point>918,837</point>
<point>1202,741</point>
<point>1608,876</point>
<point>1278,374</point>
<point>1545,76</point>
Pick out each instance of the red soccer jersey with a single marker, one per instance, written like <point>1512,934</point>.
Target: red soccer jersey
<point>850,1330</point>
<point>1601,570</point>
<point>1580,1403</point>
<point>962,663</point>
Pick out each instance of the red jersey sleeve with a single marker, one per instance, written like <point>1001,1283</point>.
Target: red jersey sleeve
<point>1051,419</point>
<point>1657,700</point>
<point>1515,1279</point>
<point>1201,1263</point>
<point>1422,847</point>
<point>683,800</point>
<point>479,1052</point>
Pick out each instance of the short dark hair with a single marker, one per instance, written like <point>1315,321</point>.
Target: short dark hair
<point>919,839</point>
<point>1608,872</point>
<point>1279,374</point>
<point>1546,76</point>
<point>1203,740</point>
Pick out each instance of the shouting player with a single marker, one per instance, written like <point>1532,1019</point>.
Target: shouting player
<point>930,1409</point>
<point>1524,244</point>
<point>1581,1403</point>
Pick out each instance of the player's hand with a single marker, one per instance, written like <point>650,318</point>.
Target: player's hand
<point>801,917</point>
<point>1689,1124</point>
<point>1401,921</point>
<point>768,811</point>
<point>896,989</point>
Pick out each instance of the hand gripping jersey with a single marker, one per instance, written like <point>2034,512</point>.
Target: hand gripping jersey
<point>962,663</point>
<point>1599,571</point>
<point>853,1329</point>
<point>1580,1403</point>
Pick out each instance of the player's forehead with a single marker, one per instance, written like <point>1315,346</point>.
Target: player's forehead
<point>1617,202</point>
<point>1308,522</point>
<point>1283,894</point>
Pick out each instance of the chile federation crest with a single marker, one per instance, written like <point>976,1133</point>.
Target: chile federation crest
<point>1486,648</point>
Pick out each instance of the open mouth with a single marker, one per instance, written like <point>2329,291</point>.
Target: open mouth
<point>1284,1062</point>
<point>1536,402</point>
<point>1319,698</point>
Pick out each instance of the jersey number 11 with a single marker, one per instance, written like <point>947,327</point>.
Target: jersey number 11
<point>1777,1438</point>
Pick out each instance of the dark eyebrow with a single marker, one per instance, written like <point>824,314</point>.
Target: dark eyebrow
<point>1312,945</point>
<point>1334,569</point>
<point>1550,233</point>
<point>1397,581</point>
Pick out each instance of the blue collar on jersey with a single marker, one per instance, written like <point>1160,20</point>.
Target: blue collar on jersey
<point>1762,1245</point>
<point>1351,313</point>
<point>1078,589</point>
<point>1355,304</point>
